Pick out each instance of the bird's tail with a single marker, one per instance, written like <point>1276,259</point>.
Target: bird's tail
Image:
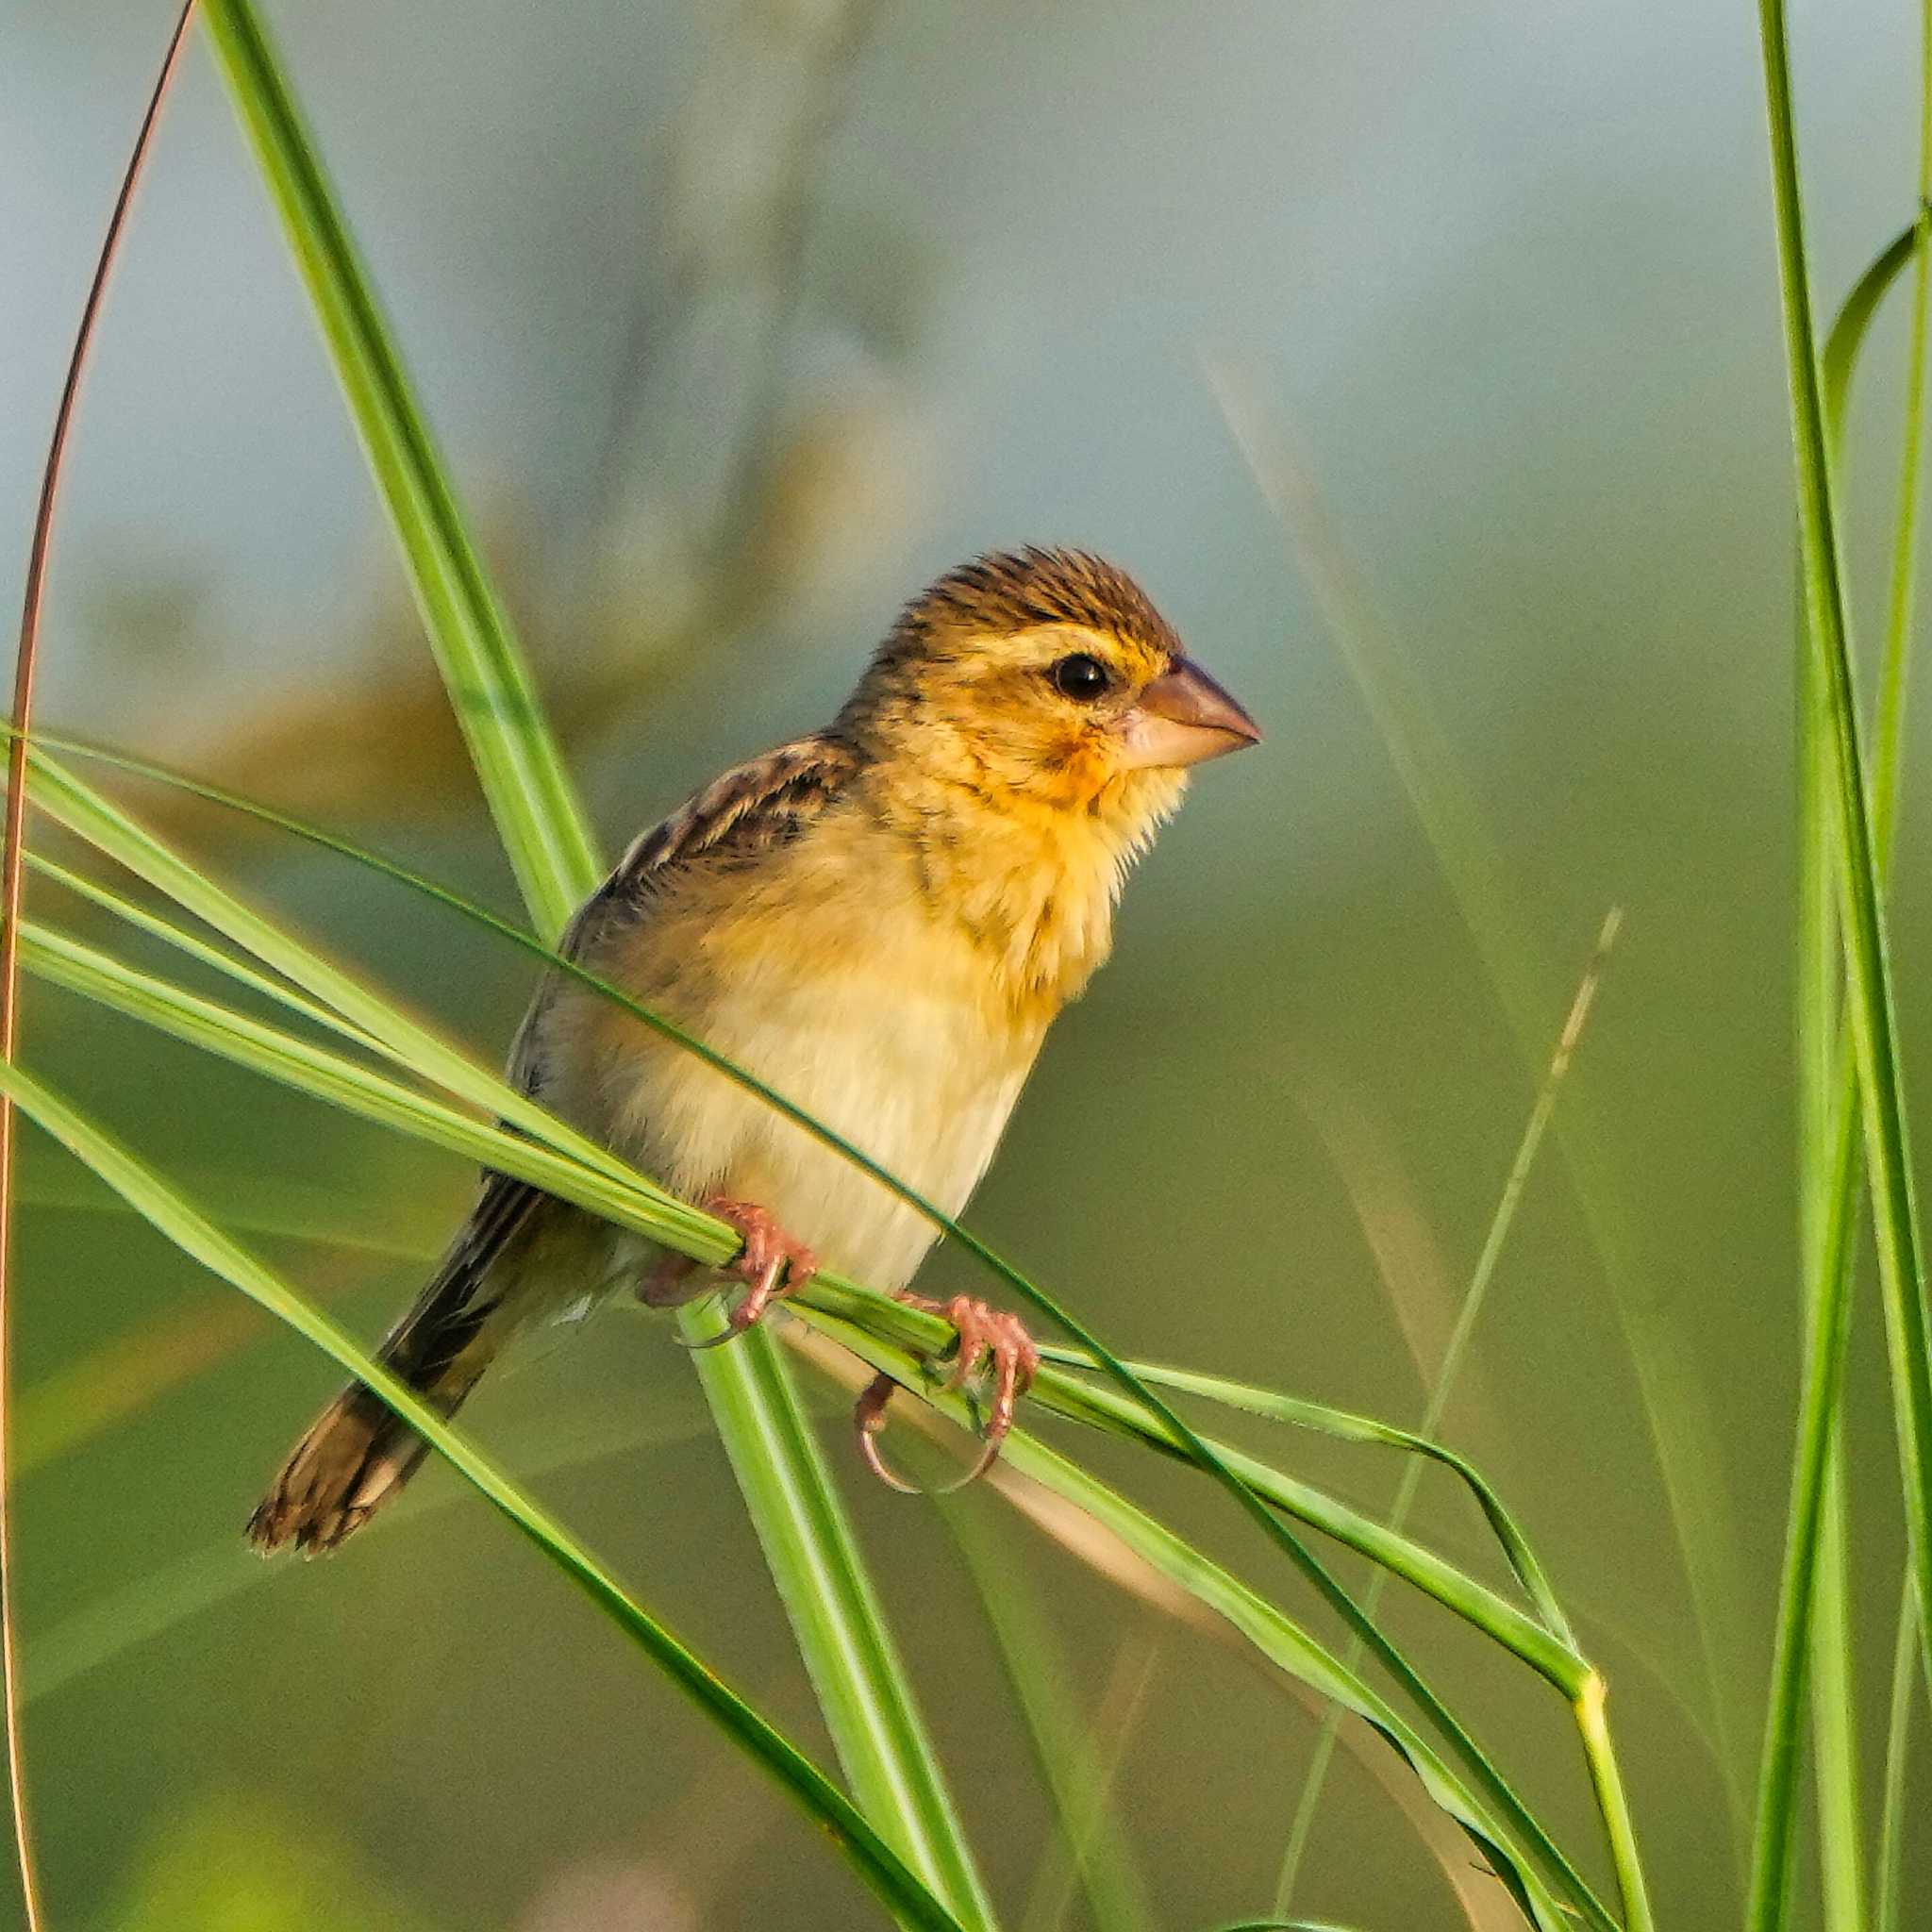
<point>359,1453</point>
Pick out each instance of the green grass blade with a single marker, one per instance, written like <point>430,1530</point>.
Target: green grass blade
<point>530,793</point>
<point>373,1096</point>
<point>1350,1427</point>
<point>871,1856</point>
<point>1828,1182</point>
<point>1165,1427</point>
<point>115,833</point>
<point>355,1089</point>
<point>855,1665</point>
<point>1283,1641</point>
<point>1834,1711</point>
<point>1910,1644</point>
<point>182,941</point>
<point>1888,1874</point>
<point>1879,1099</point>
<point>1287,1925</point>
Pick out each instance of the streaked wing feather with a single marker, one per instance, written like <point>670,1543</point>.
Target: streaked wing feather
<point>763,803</point>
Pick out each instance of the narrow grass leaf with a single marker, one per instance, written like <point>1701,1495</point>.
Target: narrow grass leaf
<point>874,1860</point>
<point>1350,1427</point>
<point>1869,1001</point>
<point>530,793</point>
<point>373,1096</point>
<point>124,839</point>
<point>222,961</point>
<point>1280,1639</point>
<point>1887,1886</point>
<point>1814,1633</point>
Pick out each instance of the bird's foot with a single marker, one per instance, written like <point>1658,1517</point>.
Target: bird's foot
<point>771,1264</point>
<point>991,1345</point>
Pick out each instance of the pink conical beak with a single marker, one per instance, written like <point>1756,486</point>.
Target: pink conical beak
<point>1184,718</point>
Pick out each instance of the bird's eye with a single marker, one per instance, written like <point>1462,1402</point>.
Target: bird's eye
<point>1079,677</point>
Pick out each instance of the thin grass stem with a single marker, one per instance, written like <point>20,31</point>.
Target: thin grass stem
<point>876,1861</point>
<point>1445,1382</point>
<point>1872,1091</point>
<point>12,882</point>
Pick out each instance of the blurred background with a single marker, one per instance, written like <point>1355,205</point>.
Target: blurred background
<point>739,323</point>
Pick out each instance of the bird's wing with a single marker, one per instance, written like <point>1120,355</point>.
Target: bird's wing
<point>751,810</point>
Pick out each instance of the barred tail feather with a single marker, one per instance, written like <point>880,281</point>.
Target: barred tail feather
<point>359,1453</point>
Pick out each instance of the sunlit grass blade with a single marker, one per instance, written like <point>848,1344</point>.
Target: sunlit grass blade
<point>871,1856</point>
<point>1870,1008</point>
<point>1489,1816</point>
<point>363,1090</point>
<point>227,963</point>
<point>373,1096</point>
<point>1167,1426</point>
<point>530,793</point>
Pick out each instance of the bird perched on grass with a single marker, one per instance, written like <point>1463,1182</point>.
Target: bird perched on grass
<point>880,921</point>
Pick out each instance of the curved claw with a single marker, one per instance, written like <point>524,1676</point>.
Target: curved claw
<point>988,1340</point>
<point>770,1261</point>
<point>990,1337</point>
<point>869,1417</point>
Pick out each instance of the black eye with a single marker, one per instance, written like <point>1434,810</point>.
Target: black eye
<point>1079,677</point>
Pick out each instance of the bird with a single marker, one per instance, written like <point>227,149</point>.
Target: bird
<point>880,921</point>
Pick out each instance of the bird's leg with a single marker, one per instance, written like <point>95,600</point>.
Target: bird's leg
<point>771,1264</point>
<point>992,1343</point>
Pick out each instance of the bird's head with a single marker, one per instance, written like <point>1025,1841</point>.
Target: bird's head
<point>1043,680</point>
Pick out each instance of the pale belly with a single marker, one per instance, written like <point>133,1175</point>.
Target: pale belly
<point>903,1065</point>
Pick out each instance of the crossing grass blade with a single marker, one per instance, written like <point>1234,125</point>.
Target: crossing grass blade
<point>1870,1090</point>
<point>1484,1804</point>
<point>373,1094</point>
<point>113,832</point>
<point>1828,1185</point>
<point>801,1523</point>
<point>168,1212</point>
